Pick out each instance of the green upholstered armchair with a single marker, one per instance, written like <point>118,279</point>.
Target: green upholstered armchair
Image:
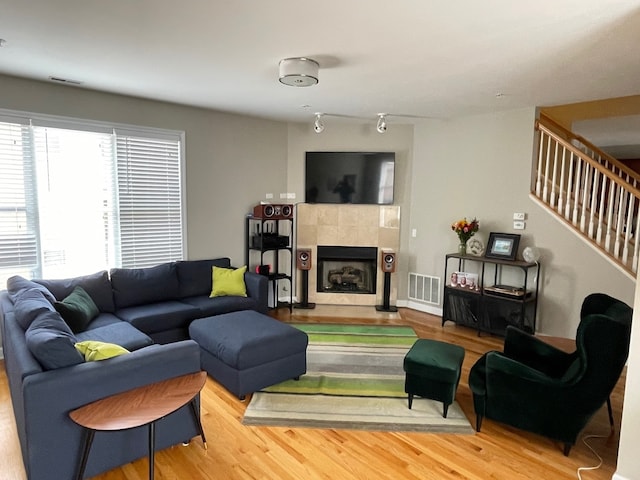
<point>539,388</point>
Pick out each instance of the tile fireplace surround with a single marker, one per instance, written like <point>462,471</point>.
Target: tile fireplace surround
<point>354,226</point>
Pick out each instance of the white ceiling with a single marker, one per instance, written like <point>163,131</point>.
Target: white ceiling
<point>413,58</point>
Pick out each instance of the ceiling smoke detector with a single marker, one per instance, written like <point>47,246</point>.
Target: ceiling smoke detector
<point>299,72</point>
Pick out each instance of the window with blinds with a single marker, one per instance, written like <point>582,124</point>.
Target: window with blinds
<point>83,198</point>
<point>18,213</point>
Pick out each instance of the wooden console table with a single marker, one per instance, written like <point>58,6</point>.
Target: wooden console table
<point>141,406</point>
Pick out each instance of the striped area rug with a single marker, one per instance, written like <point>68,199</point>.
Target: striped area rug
<point>354,380</point>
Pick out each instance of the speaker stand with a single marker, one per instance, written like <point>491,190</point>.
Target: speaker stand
<point>305,292</point>
<point>385,307</point>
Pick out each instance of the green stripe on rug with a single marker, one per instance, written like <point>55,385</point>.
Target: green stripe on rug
<point>358,334</point>
<point>319,384</point>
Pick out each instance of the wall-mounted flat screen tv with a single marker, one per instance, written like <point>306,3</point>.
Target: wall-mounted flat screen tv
<point>349,177</point>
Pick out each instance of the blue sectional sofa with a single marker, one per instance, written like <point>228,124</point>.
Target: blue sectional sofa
<point>147,311</point>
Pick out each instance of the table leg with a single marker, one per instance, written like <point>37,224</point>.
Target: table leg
<point>152,448</point>
<point>88,440</point>
<point>196,418</point>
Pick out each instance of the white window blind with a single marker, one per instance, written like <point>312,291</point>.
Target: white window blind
<point>81,198</point>
<point>149,200</point>
<point>18,214</point>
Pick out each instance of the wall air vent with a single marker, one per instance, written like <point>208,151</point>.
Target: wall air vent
<point>66,81</point>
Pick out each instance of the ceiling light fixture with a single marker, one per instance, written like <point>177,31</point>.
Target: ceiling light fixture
<point>318,125</point>
<point>382,123</point>
<point>299,72</point>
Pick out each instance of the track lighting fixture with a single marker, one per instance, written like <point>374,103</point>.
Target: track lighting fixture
<point>382,123</point>
<point>318,125</point>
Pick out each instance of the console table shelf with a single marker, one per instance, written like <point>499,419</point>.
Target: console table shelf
<point>490,305</point>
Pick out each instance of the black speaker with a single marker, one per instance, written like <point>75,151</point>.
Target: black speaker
<point>388,261</point>
<point>303,259</point>
<point>304,284</point>
<point>386,307</point>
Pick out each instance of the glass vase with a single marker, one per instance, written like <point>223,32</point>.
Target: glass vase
<point>462,248</point>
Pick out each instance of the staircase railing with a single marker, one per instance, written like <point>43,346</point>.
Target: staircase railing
<point>590,190</point>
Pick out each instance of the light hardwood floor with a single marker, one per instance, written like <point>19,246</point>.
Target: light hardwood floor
<point>239,452</point>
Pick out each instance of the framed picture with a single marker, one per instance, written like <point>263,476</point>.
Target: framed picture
<point>502,245</point>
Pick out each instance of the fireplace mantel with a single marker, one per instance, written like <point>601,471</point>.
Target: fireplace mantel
<point>348,225</point>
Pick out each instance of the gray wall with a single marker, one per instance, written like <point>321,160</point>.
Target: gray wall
<point>479,166</point>
<point>230,159</point>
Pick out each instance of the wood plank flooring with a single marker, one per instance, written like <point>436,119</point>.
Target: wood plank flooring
<point>239,452</point>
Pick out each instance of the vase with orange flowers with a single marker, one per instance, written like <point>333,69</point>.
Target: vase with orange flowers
<point>465,230</point>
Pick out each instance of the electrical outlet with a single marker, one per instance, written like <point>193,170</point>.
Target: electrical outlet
<point>269,196</point>
<point>283,196</point>
<point>518,225</point>
<point>519,216</point>
<point>414,232</point>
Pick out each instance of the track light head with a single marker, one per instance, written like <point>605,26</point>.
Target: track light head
<point>318,125</point>
<point>382,123</point>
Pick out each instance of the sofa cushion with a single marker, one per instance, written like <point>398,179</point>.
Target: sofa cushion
<point>94,351</point>
<point>219,305</point>
<point>97,285</point>
<point>157,317</point>
<point>142,286</point>
<point>195,275</point>
<point>51,342</point>
<point>120,333</point>
<point>77,309</point>
<point>18,284</point>
<point>28,304</point>
<point>228,282</point>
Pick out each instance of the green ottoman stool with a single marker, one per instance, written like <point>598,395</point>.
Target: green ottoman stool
<point>433,371</point>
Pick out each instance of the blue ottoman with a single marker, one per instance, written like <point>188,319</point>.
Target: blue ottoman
<point>247,351</point>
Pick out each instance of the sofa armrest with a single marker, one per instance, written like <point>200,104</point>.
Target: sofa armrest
<point>258,289</point>
<point>84,383</point>
<point>50,396</point>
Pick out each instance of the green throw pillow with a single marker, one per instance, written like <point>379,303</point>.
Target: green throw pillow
<point>93,350</point>
<point>228,282</point>
<point>77,310</point>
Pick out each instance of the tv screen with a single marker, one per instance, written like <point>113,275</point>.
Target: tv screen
<point>349,177</point>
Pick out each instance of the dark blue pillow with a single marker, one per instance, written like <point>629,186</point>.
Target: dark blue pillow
<point>18,284</point>
<point>195,275</point>
<point>51,342</point>
<point>141,286</point>
<point>28,304</point>
<point>97,285</point>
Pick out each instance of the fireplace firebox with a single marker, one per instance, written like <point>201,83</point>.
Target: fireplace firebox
<point>346,269</point>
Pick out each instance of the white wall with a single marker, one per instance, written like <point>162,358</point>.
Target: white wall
<point>230,159</point>
<point>628,459</point>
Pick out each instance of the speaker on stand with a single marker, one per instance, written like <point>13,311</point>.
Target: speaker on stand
<point>388,265</point>
<point>303,262</point>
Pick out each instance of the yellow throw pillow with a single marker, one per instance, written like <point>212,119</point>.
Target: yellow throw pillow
<point>228,282</point>
<point>94,350</point>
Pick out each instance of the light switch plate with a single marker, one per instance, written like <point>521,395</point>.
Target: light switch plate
<point>519,216</point>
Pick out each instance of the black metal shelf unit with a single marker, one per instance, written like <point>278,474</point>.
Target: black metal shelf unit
<point>491,308</point>
<point>267,240</point>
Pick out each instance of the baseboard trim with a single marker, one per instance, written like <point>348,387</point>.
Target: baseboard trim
<point>617,476</point>
<point>421,307</point>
